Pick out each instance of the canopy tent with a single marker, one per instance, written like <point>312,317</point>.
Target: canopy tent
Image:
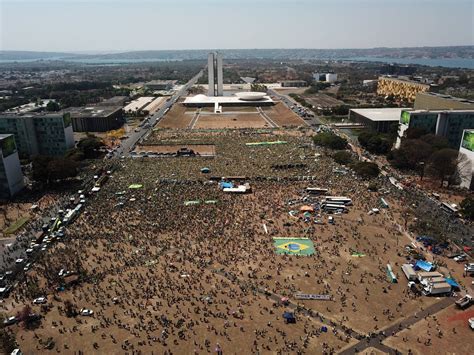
<point>452,282</point>
<point>424,265</point>
<point>226,185</point>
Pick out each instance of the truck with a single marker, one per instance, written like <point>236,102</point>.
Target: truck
<point>464,302</point>
<point>409,272</point>
<point>437,289</point>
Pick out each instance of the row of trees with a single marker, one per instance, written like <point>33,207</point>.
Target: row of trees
<point>332,141</point>
<point>377,143</point>
<point>430,154</point>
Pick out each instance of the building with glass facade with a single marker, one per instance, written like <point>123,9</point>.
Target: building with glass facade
<point>449,124</point>
<point>11,177</point>
<point>39,133</point>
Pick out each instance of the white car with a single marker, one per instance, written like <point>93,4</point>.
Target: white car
<point>40,300</point>
<point>460,258</point>
<point>86,312</point>
<point>19,261</point>
<point>471,323</point>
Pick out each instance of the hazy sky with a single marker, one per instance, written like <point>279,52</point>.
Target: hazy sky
<point>104,25</point>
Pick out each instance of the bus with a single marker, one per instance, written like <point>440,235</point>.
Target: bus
<point>336,202</point>
<point>316,190</point>
<point>56,225</point>
<point>327,207</point>
<point>347,201</point>
<point>448,208</point>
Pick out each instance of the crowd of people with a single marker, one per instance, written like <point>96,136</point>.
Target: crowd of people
<point>205,278</point>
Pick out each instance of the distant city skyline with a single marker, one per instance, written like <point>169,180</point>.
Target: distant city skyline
<point>119,25</point>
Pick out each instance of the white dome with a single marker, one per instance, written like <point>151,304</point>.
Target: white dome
<point>251,96</point>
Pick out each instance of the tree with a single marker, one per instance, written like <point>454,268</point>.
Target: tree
<point>46,169</point>
<point>437,142</point>
<point>330,140</point>
<point>467,208</point>
<point>414,133</point>
<point>60,169</point>
<point>443,164</point>
<point>90,146</point>
<point>410,154</point>
<point>342,157</point>
<point>366,170</point>
<point>52,106</point>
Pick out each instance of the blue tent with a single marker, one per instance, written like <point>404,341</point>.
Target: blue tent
<point>289,317</point>
<point>225,185</point>
<point>424,265</point>
<point>452,282</point>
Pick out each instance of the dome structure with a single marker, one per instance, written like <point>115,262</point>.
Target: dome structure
<point>251,96</point>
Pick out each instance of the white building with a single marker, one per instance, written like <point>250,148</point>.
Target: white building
<point>215,74</point>
<point>466,166</point>
<point>11,177</point>
<point>328,77</point>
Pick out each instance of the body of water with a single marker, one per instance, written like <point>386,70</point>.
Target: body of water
<point>441,62</point>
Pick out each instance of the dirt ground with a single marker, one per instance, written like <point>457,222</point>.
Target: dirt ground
<point>447,332</point>
<point>177,117</point>
<point>283,116</point>
<point>221,121</point>
<point>202,149</point>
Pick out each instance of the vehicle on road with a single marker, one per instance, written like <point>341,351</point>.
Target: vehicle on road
<point>471,323</point>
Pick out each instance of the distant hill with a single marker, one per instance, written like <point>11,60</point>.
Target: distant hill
<point>27,55</point>
<point>466,52</point>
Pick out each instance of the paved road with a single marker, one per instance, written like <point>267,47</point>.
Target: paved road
<point>128,144</point>
<point>376,341</point>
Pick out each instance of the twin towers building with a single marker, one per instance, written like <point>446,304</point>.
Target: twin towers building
<point>215,74</point>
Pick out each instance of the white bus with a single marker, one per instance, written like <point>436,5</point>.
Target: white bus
<point>448,208</point>
<point>347,201</point>
<point>333,208</point>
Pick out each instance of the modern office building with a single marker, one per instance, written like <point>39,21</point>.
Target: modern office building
<point>215,74</point>
<point>449,124</point>
<point>466,165</point>
<point>377,119</point>
<point>11,177</point>
<point>328,77</point>
<point>404,89</point>
<point>96,118</point>
<point>434,101</point>
<point>39,133</point>
<point>293,83</point>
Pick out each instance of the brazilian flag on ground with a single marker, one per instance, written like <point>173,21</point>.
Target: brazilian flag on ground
<point>293,246</point>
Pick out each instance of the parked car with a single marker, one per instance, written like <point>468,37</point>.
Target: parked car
<point>40,300</point>
<point>10,321</point>
<point>86,312</point>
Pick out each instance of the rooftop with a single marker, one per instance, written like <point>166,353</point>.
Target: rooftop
<point>3,136</point>
<point>447,97</point>
<point>93,111</point>
<point>380,114</point>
